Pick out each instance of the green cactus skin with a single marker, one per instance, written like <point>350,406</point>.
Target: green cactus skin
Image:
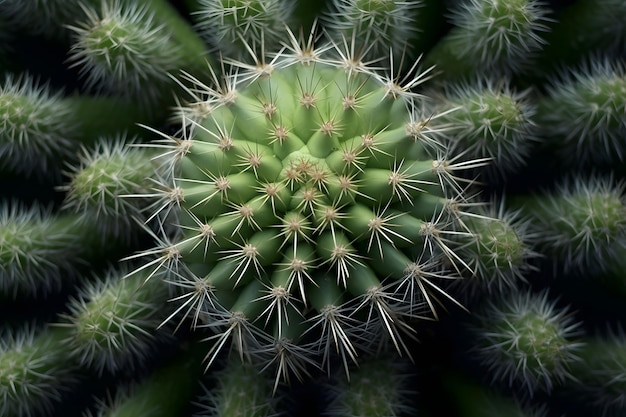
<point>584,110</point>
<point>35,371</point>
<point>112,323</point>
<point>379,387</point>
<point>499,35</point>
<point>526,341</point>
<point>305,167</point>
<point>238,390</point>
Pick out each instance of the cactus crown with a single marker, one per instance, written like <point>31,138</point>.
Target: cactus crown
<point>311,205</point>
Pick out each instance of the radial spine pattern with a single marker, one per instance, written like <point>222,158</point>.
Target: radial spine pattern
<point>313,209</point>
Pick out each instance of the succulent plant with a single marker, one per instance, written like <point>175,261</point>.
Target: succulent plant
<point>312,207</point>
<point>527,341</point>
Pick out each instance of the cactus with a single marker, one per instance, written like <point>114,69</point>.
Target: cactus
<point>602,379</point>
<point>377,28</point>
<point>233,26</point>
<point>488,119</point>
<point>379,387</point>
<point>502,35</point>
<point>237,390</point>
<point>35,372</point>
<point>304,175</point>
<point>38,253</point>
<point>592,102</point>
<point>580,225</point>
<point>526,341</point>
<point>111,325</point>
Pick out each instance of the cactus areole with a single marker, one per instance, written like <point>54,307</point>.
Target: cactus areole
<point>312,206</point>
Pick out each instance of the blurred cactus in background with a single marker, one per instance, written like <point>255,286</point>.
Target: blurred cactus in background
<point>343,207</point>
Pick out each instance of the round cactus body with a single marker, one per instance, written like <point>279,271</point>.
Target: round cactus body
<point>311,210</point>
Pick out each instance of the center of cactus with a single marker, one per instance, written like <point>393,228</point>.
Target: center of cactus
<point>307,186</point>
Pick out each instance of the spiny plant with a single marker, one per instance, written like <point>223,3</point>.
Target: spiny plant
<point>379,387</point>
<point>502,35</point>
<point>499,251</point>
<point>307,212</point>
<point>237,390</point>
<point>580,225</point>
<point>33,122</point>
<point>602,372</point>
<point>111,324</point>
<point>105,174</point>
<point>485,118</point>
<point>128,49</point>
<point>38,253</point>
<point>526,341</point>
<point>35,372</point>
<point>375,27</point>
<point>591,103</point>
<point>232,26</point>
<point>41,127</point>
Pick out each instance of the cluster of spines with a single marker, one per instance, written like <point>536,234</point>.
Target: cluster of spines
<point>238,28</point>
<point>488,119</point>
<point>35,371</point>
<point>42,128</point>
<point>103,185</point>
<point>122,48</point>
<point>34,125</point>
<point>237,390</point>
<point>580,224</point>
<point>499,35</point>
<point>584,110</point>
<point>377,28</point>
<point>39,251</point>
<point>112,323</point>
<point>500,250</point>
<point>379,387</point>
<point>526,341</point>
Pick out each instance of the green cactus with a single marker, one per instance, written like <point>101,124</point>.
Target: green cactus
<point>111,325</point>
<point>35,372</point>
<point>379,387</point>
<point>306,172</point>
<point>527,342</point>
<point>501,35</point>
